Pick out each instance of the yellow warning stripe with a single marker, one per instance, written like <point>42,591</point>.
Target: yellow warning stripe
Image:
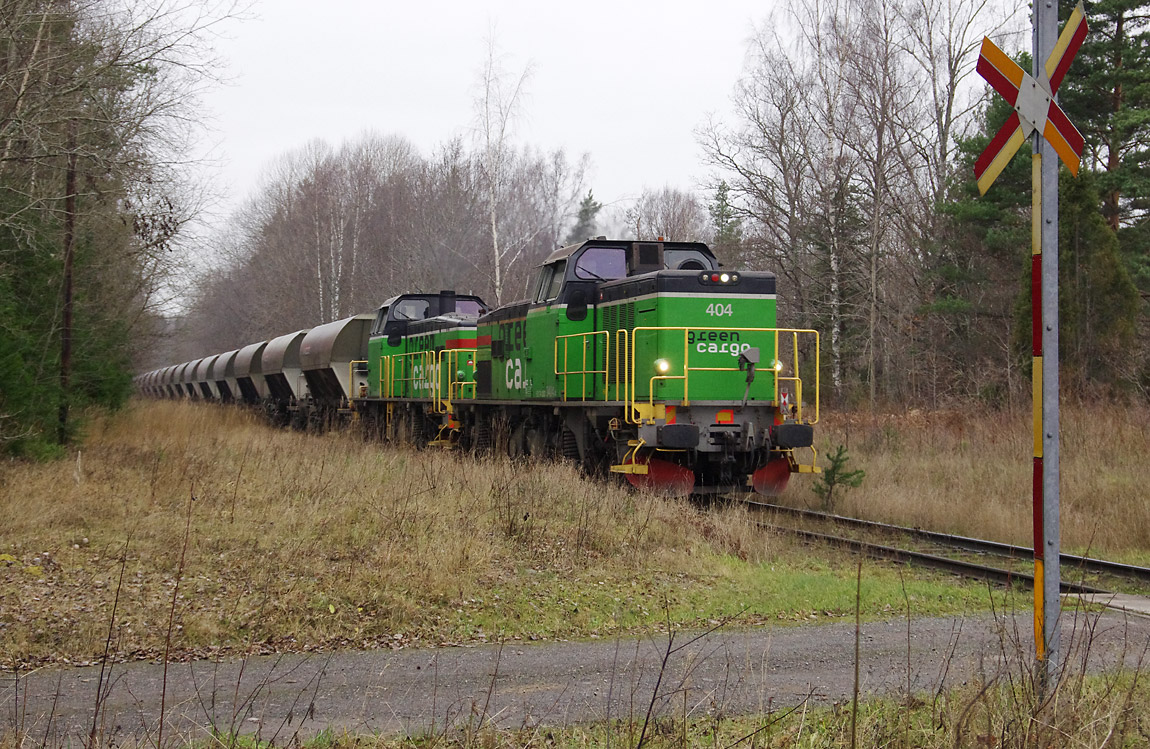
<point>1061,147</point>
<point>996,57</point>
<point>1064,39</point>
<point>1005,154</point>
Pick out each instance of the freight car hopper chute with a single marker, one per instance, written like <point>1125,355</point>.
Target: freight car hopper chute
<point>281,368</point>
<point>229,374</point>
<point>249,374</point>
<point>327,354</point>
<point>218,376</point>
<point>204,378</point>
<point>171,386</point>
<point>188,379</point>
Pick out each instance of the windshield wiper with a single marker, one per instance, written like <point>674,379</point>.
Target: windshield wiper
<point>596,276</point>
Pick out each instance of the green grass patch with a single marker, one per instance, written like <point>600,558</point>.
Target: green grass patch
<point>545,605</point>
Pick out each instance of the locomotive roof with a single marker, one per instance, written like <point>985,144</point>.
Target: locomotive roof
<point>392,300</point>
<point>566,252</point>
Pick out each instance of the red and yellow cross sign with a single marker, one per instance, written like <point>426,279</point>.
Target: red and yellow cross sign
<point>1033,102</point>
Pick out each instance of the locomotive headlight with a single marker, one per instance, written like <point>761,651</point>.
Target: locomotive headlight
<point>777,365</point>
<point>725,277</point>
<point>663,366</point>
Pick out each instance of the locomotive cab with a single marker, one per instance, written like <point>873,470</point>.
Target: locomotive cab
<point>413,335</point>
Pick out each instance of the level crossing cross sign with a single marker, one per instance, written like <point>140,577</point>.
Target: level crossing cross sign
<point>1035,108</point>
<point>1038,118</point>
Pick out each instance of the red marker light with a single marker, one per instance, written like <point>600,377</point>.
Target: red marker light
<point>715,277</point>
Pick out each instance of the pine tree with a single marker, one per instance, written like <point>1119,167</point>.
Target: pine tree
<point>974,272</point>
<point>728,240</point>
<point>585,225</point>
<point>1107,95</point>
<point>1098,303</point>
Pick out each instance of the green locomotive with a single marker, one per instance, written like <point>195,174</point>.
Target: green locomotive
<point>639,358</point>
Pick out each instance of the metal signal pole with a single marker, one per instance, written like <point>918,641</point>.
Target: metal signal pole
<point>1044,291</point>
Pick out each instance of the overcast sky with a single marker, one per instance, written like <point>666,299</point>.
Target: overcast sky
<point>625,81</point>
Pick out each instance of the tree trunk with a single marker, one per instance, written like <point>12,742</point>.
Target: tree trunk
<point>69,251</point>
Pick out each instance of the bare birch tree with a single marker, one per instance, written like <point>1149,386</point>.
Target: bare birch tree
<point>496,107</point>
<point>670,213</point>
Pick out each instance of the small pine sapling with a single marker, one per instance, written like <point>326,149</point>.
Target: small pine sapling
<point>836,474</point>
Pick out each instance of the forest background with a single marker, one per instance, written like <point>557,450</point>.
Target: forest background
<point>846,170</point>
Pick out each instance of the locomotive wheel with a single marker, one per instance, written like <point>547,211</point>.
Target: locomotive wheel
<point>517,442</point>
<point>569,446</point>
<point>402,427</point>
<point>483,439</point>
<point>535,441</point>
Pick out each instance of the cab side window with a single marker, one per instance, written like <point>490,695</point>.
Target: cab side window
<point>543,283</point>
<point>380,320</point>
<point>411,309</point>
<point>552,281</point>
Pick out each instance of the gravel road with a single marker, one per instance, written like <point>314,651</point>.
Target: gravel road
<point>520,684</point>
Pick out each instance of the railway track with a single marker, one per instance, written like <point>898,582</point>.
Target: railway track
<point>1093,573</point>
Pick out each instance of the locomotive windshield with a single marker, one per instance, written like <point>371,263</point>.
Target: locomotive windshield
<point>601,264</point>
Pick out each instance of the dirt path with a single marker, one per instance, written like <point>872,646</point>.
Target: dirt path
<point>417,691</point>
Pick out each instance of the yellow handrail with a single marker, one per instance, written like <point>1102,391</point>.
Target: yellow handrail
<point>444,404</point>
<point>632,408</point>
<point>583,371</point>
<point>621,348</point>
<point>405,364</point>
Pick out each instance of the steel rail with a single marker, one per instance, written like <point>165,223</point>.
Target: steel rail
<point>969,569</point>
<point>1086,564</point>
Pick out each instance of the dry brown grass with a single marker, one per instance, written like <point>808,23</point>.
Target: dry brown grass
<point>303,540</point>
<point>970,473</point>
